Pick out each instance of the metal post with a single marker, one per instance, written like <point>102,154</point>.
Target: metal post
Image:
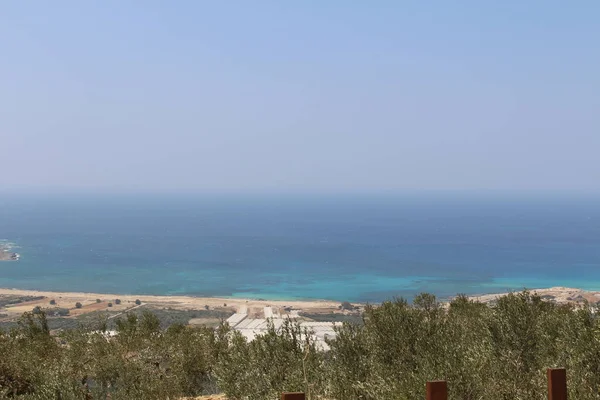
<point>557,384</point>
<point>293,396</point>
<point>438,390</point>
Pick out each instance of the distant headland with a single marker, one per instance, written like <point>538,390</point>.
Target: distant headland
<point>6,254</point>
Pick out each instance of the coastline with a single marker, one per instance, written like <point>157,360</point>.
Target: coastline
<point>67,309</point>
<point>175,298</point>
<point>557,294</point>
<point>91,302</point>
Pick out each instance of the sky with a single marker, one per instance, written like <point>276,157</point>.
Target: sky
<point>305,96</point>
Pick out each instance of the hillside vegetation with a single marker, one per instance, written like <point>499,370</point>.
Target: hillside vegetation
<point>497,351</point>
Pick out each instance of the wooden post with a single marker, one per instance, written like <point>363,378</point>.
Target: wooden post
<point>557,384</point>
<point>293,396</point>
<point>437,390</point>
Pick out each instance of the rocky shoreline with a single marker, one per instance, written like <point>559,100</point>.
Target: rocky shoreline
<point>559,294</point>
<point>7,255</point>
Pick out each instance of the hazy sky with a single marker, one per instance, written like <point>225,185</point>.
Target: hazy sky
<point>299,96</point>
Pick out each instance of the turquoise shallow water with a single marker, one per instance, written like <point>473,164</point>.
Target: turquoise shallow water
<point>342,248</point>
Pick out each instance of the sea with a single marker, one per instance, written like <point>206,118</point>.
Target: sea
<point>358,248</point>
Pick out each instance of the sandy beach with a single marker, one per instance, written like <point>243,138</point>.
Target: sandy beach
<point>100,302</point>
<point>91,302</point>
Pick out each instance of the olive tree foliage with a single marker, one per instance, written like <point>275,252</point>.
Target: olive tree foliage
<point>499,351</point>
<point>285,359</point>
<point>140,362</point>
<point>496,352</point>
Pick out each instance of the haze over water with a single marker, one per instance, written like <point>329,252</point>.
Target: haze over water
<point>300,97</point>
<point>357,248</point>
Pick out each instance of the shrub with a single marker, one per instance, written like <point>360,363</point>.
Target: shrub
<point>346,305</point>
<point>497,351</point>
<point>53,302</point>
<point>138,302</point>
<point>110,304</point>
<point>98,301</point>
<point>117,301</point>
<point>78,305</point>
<point>276,361</point>
<point>57,312</point>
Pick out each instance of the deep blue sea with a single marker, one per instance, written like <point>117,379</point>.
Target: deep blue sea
<point>356,248</point>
